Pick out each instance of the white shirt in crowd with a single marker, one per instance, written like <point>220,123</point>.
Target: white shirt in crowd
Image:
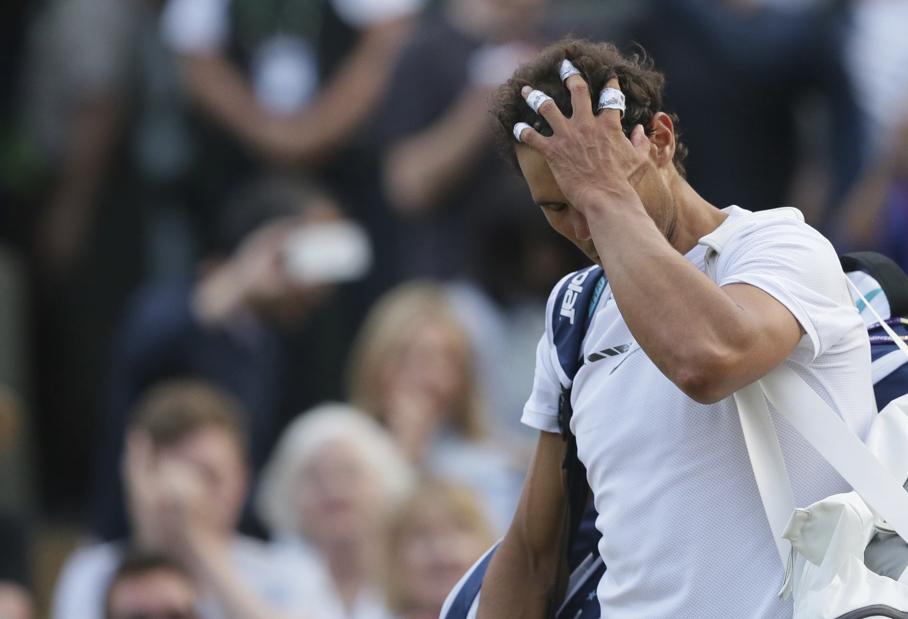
<point>369,604</point>
<point>684,531</point>
<point>284,67</point>
<point>288,584</point>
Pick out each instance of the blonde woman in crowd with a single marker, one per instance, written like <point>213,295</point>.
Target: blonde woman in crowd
<point>413,369</point>
<point>437,536</point>
<point>326,495</point>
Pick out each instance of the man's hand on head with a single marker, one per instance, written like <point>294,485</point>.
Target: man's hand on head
<point>590,157</point>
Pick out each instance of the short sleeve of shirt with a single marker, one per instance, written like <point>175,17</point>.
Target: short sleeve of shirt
<point>365,13</point>
<point>797,266</point>
<point>195,26</point>
<point>541,410</point>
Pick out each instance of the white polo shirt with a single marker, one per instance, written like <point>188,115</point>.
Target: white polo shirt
<point>684,531</point>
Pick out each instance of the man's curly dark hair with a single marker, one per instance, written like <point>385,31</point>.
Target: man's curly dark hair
<point>597,62</point>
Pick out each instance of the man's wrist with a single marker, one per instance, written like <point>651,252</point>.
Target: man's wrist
<point>617,196</point>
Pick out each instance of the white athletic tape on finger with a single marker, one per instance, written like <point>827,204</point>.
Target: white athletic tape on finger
<point>519,128</point>
<point>611,99</point>
<point>536,98</point>
<point>567,69</point>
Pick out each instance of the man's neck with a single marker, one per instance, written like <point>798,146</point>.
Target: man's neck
<point>695,217</point>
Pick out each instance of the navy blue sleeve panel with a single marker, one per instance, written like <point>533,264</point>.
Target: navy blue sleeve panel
<point>575,304</point>
<point>895,383</point>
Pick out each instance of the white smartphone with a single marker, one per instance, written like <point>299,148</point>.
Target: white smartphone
<point>329,252</point>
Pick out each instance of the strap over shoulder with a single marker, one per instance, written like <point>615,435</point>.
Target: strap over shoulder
<point>575,303</point>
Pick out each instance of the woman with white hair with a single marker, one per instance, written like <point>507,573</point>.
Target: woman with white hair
<point>333,481</point>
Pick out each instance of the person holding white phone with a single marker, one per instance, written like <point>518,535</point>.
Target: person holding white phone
<point>250,321</point>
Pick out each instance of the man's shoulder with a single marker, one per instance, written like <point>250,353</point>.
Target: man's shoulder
<point>779,226</point>
<point>778,238</point>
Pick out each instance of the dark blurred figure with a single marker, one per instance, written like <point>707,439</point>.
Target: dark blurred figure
<point>875,217</point>
<point>15,563</point>
<point>13,19</point>
<point>15,595</point>
<point>458,208</point>
<point>186,476</point>
<point>741,72</point>
<point>443,179</point>
<point>103,120</point>
<point>244,322</point>
<point>150,586</point>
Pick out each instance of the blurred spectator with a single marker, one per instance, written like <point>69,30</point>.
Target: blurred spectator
<point>876,211</point>
<point>502,306</point>
<point>436,537</point>
<point>875,216</point>
<point>82,74</point>
<point>15,595</point>
<point>150,586</point>
<point>745,73</point>
<point>186,477</point>
<point>460,212</point>
<point>441,172</point>
<point>244,323</point>
<point>15,601</point>
<point>14,164</point>
<point>412,368</point>
<point>287,82</point>
<point>103,117</point>
<point>327,494</point>
<point>877,55</point>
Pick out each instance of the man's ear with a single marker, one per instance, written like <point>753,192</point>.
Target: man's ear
<point>661,135</point>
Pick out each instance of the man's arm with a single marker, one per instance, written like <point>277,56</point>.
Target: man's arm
<point>521,579</point>
<point>731,335</point>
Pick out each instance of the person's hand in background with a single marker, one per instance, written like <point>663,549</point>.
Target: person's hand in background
<point>15,602</point>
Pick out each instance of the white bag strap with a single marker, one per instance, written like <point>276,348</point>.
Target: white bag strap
<point>828,433</point>
<point>759,432</point>
<point>768,464</point>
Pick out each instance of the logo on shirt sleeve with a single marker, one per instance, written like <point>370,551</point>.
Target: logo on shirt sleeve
<point>620,349</point>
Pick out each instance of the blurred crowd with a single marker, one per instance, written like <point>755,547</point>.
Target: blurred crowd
<point>270,299</point>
